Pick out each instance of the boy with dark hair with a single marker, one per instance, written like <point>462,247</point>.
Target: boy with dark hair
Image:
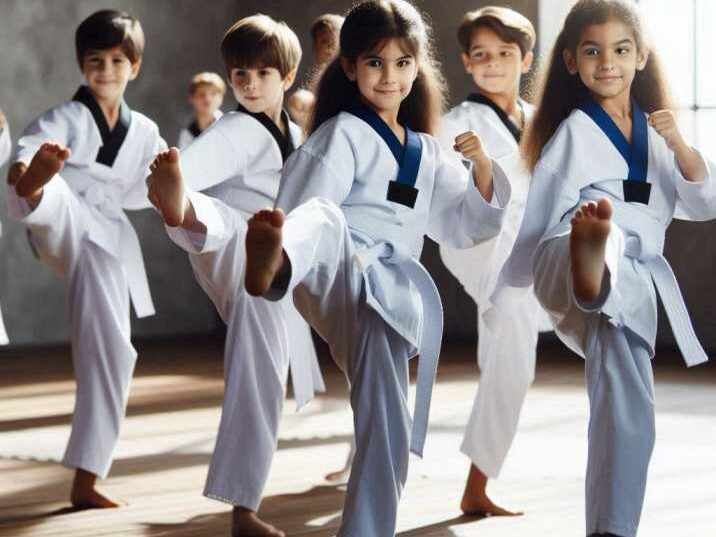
<point>206,93</point>
<point>496,47</point>
<point>77,167</point>
<point>238,162</point>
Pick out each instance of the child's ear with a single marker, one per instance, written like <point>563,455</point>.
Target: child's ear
<point>466,63</point>
<point>570,62</point>
<point>642,58</point>
<point>349,68</point>
<point>289,79</point>
<point>136,66</point>
<point>527,62</point>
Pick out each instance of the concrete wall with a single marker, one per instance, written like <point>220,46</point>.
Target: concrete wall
<point>38,70</point>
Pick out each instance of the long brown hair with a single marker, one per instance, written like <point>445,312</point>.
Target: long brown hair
<point>560,91</point>
<point>366,28</point>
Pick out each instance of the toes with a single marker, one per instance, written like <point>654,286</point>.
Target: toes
<point>604,209</point>
<point>173,155</point>
<point>277,218</point>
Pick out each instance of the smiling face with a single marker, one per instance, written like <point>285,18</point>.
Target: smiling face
<point>206,99</point>
<point>495,65</point>
<point>261,89</point>
<point>606,59</point>
<point>384,76</point>
<point>107,73</point>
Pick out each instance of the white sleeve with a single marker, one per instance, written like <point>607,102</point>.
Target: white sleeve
<point>135,196</point>
<point>459,216</point>
<point>5,146</point>
<point>695,200</point>
<point>307,175</point>
<point>52,126</point>
<point>212,158</point>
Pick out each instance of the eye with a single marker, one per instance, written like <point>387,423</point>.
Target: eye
<point>591,51</point>
<point>506,53</point>
<point>623,51</point>
<point>478,55</point>
<point>403,63</point>
<point>374,63</point>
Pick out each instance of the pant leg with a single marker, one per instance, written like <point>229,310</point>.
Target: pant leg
<point>329,292</point>
<point>507,368</point>
<point>256,360</point>
<point>103,358</point>
<point>620,385</point>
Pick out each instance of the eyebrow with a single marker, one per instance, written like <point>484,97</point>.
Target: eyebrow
<point>376,57</point>
<point>620,42</point>
<point>504,45</point>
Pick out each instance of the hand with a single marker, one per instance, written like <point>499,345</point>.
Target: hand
<point>664,123</point>
<point>15,173</point>
<point>471,148</point>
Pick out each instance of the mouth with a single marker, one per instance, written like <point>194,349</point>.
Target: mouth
<point>388,92</point>
<point>607,78</point>
<point>493,76</point>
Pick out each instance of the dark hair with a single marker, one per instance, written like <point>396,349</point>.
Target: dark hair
<point>509,25</point>
<point>327,21</point>
<point>107,29</point>
<point>560,91</point>
<point>260,41</point>
<point>366,28</point>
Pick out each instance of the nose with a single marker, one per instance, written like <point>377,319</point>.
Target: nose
<point>251,81</point>
<point>606,62</point>
<point>388,75</point>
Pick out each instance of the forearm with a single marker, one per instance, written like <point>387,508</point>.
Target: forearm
<point>691,164</point>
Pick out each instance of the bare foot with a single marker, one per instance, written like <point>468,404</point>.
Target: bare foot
<point>166,187</point>
<point>246,523</point>
<point>84,495</point>
<point>587,244</point>
<point>264,255</point>
<point>476,502</point>
<point>49,160</point>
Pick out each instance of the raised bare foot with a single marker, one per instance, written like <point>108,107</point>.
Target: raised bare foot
<point>246,523</point>
<point>49,160</point>
<point>476,502</point>
<point>84,495</point>
<point>264,252</point>
<point>587,244</point>
<point>166,187</point>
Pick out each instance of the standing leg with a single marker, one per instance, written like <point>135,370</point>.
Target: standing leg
<point>103,360</point>
<point>507,367</point>
<point>255,371</point>
<point>620,385</point>
<point>312,255</point>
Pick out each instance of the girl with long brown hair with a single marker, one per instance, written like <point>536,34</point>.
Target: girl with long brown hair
<point>360,194</point>
<point>610,168</point>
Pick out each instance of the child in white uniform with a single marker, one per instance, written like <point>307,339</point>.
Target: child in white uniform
<point>206,93</point>
<point>497,50</point>
<point>238,162</point>
<point>78,166</point>
<point>607,181</point>
<point>360,194</point>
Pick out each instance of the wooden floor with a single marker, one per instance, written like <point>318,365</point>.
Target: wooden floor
<point>162,457</point>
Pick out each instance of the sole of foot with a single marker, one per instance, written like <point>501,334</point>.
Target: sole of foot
<point>264,252</point>
<point>588,240</point>
<point>48,161</point>
<point>166,189</point>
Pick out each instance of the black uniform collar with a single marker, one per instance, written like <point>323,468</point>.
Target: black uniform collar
<point>515,131</point>
<point>112,140</point>
<point>285,143</point>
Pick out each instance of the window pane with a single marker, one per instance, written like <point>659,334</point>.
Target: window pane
<point>551,19</point>
<point>687,125</point>
<point>705,53</point>
<point>671,25</point>
<point>706,133</point>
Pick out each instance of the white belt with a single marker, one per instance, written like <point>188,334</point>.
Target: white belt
<point>394,252</point>
<point>106,198</point>
<point>645,242</point>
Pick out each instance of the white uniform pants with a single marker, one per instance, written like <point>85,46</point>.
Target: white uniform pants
<point>102,353</point>
<point>620,386</point>
<point>329,292</point>
<point>256,356</point>
<point>507,368</point>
